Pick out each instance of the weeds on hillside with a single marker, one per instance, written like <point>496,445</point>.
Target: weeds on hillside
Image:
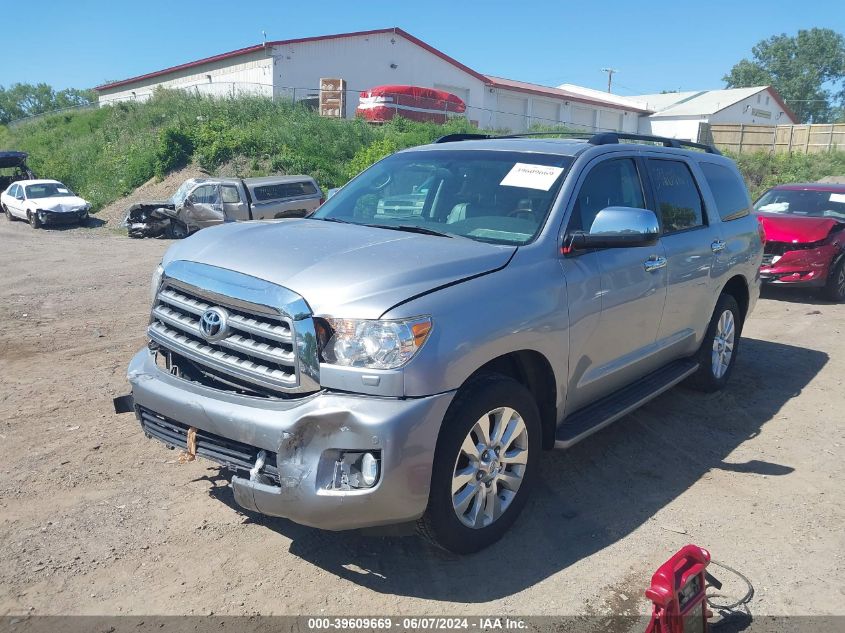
<point>762,170</point>
<point>104,154</point>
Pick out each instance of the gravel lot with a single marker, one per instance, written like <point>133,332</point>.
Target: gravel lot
<point>95,519</point>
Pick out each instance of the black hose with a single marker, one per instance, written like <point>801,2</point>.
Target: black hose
<point>749,594</point>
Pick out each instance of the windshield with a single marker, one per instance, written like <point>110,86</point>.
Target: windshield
<point>489,196</point>
<point>48,190</point>
<point>815,204</point>
<point>182,192</point>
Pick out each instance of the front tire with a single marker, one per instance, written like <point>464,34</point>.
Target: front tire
<point>717,354</point>
<point>834,290</point>
<point>34,222</point>
<point>485,464</point>
<point>176,230</point>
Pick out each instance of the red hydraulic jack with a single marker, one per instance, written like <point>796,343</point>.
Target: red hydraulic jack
<point>677,591</point>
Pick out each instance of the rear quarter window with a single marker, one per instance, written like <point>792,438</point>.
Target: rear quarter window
<point>728,191</point>
<point>284,190</point>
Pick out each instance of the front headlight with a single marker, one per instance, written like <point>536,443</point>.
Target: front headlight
<point>375,344</point>
<point>156,282</point>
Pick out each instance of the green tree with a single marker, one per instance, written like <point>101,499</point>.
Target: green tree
<point>23,100</point>
<point>808,70</point>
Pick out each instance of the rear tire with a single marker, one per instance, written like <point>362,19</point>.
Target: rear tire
<point>834,290</point>
<point>717,354</point>
<point>8,213</point>
<point>34,222</point>
<point>480,484</point>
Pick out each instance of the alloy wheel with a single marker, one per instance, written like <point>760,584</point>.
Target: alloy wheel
<point>723,344</point>
<point>490,467</point>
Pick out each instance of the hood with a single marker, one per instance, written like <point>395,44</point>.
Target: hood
<point>60,204</point>
<point>796,229</point>
<point>341,270</point>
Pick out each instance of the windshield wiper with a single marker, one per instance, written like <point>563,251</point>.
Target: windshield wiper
<point>410,228</point>
<point>338,220</point>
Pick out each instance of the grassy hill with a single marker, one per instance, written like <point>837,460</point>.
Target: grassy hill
<point>106,153</point>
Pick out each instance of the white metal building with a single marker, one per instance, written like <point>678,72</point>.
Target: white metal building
<point>680,114</point>
<point>293,68</point>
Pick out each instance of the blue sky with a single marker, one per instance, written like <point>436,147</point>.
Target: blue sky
<point>656,45</point>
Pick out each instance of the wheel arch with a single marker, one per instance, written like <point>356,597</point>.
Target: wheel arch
<point>533,370</point>
<point>737,287</point>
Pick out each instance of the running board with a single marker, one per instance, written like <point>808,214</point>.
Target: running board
<point>598,415</point>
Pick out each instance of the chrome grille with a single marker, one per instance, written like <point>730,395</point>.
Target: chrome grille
<point>259,348</point>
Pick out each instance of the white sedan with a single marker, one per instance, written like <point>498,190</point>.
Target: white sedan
<point>41,202</point>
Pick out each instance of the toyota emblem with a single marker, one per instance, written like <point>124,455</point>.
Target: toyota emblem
<point>214,324</point>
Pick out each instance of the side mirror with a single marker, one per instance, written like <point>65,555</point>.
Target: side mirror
<point>617,227</point>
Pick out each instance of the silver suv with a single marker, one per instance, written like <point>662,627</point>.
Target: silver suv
<point>368,366</point>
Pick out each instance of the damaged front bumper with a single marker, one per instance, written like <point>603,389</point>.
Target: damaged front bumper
<point>45,216</point>
<point>301,445</point>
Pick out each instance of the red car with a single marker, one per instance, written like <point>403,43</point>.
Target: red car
<point>805,237</point>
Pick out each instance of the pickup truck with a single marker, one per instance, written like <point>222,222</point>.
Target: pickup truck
<point>204,202</point>
<point>359,367</point>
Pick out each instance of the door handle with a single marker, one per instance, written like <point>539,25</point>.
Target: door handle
<point>654,263</point>
<point>718,246</point>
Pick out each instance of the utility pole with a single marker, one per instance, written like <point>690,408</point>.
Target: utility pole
<point>609,72</point>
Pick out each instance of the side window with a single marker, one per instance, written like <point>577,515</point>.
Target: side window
<point>728,190</point>
<point>205,194</point>
<point>14,191</point>
<point>678,200</point>
<point>284,190</point>
<point>229,194</point>
<point>612,183</point>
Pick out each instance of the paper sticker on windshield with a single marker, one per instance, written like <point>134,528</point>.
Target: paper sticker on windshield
<point>837,197</point>
<point>61,190</point>
<point>775,207</point>
<point>531,176</point>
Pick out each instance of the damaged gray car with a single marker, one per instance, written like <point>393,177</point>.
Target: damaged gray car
<point>203,202</point>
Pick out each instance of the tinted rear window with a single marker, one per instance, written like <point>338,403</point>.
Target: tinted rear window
<point>728,190</point>
<point>284,190</point>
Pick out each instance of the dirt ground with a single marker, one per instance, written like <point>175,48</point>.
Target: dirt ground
<point>96,519</point>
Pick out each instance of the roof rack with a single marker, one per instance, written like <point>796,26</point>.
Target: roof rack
<point>612,138</point>
<point>450,138</point>
<point>602,138</point>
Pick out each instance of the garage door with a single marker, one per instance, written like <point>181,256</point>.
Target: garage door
<point>583,117</point>
<point>544,112</point>
<point>610,121</point>
<point>510,113</point>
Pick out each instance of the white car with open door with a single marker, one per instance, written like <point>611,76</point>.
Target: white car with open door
<point>41,202</point>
